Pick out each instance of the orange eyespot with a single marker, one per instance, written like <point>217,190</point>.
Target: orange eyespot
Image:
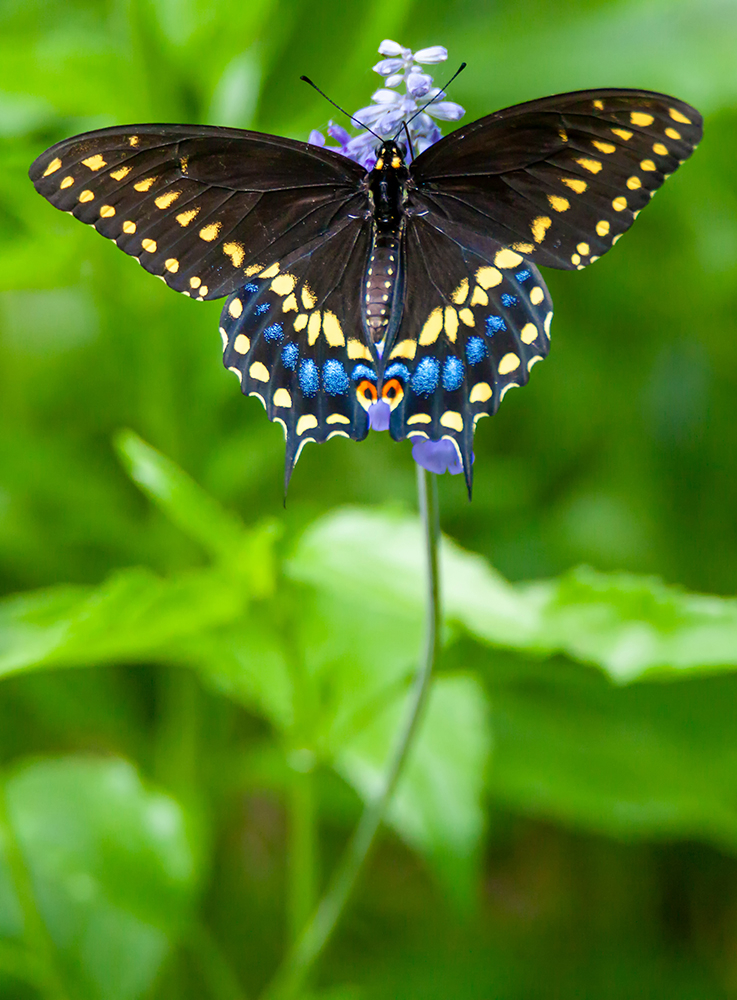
<point>392,392</point>
<point>366,393</point>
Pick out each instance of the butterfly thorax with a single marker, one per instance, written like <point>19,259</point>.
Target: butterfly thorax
<point>387,188</point>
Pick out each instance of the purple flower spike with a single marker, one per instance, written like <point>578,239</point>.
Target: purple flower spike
<point>379,414</point>
<point>435,54</point>
<point>436,456</point>
<point>316,138</point>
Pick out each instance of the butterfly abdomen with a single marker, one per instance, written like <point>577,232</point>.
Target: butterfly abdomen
<point>382,282</point>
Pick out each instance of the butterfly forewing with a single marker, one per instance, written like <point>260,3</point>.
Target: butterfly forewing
<point>201,207</point>
<point>560,179</point>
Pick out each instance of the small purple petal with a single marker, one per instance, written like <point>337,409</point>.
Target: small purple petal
<point>384,96</point>
<point>338,133</point>
<point>390,48</point>
<point>433,54</point>
<point>388,66</point>
<point>316,138</point>
<point>436,456</point>
<point>418,84</point>
<point>379,414</point>
<point>448,111</point>
<point>394,80</point>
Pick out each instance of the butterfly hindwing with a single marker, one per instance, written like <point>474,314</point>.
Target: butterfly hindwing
<point>559,179</point>
<point>291,334</point>
<point>472,329</point>
<point>201,207</point>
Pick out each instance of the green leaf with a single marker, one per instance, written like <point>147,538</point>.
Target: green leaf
<point>437,807</point>
<point>113,866</point>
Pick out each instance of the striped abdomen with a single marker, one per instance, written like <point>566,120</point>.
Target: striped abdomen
<point>381,283</point>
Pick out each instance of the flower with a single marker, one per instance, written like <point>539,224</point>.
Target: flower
<point>391,106</point>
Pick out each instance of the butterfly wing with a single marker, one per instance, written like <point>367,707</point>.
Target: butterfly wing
<point>294,336</point>
<point>202,207</point>
<point>559,179</point>
<point>473,326</point>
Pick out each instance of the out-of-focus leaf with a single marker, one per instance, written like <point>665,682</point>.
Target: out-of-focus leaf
<point>437,805</point>
<point>113,865</point>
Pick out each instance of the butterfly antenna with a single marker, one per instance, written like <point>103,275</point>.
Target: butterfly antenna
<point>314,86</point>
<point>432,99</point>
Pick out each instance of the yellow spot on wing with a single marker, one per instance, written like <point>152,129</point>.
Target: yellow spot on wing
<point>575,259</point>
<point>558,203</point>
<point>617,237</point>
<point>431,330</point>
<point>619,204</point>
<point>404,349</point>
<point>242,344</point>
<point>252,269</point>
<point>604,147</point>
<point>306,422</point>
<point>107,212</point>
<point>184,218</point>
<point>622,133</point>
<point>528,333</point>
<point>145,184</point>
<point>166,199</point>
<point>149,245</point>
<point>195,282</point>
<point>118,175</point>
<point>489,277</point>
<point>309,299</point>
<point>52,167</point>
<point>575,184</point>
<point>129,227</point>
<point>290,302</point>
<point>639,118</point>
<point>633,183</point>
<point>313,328</point>
<point>282,398</point>
<point>283,284</point>
<point>648,165</point>
<point>660,149</point>
<point>678,117</point>
<point>332,329</point>
<point>505,258</point>
<point>338,418</point>
<point>236,252</point>
<point>480,393</point>
<point>466,316</point>
<point>95,162</point>
<point>523,247</point>
<point>539,227</point>
<point>271,272</point>
<point>593,166</point>
<point>673,133</point>
<point>602,228</point>
<point>546,324</point>
<point>452,419</point>
<point>536,295</point>
<point>86,195</point>
<point>300,322</point>
<point>479,297</point>
<point>259,371</point>
<point>210,231</point>
<point>172,265</point>
<point>420,418</point>
<point>461,293</point>
<point>203,291</point>
<point>133,140</point>
<point>451,324</point>
<point>599,105</point>
<point>235,308</point>
<point>67,182</point>
<point>584,249</point>
<point>509,363</point>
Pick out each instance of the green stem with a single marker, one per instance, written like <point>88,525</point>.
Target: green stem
<point>302,848</point>
<point>38,940</point>
<point>303,956</point>
<point>220,980</point>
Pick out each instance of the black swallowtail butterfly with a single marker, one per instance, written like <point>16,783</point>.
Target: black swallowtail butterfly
<point>417,285</point>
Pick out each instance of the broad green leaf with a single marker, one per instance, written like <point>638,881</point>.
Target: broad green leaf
<point>113,865</point>
<point>437,807</point>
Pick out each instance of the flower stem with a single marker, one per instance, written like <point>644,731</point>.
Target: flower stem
<point>305,953</point>
<point>37,938</point>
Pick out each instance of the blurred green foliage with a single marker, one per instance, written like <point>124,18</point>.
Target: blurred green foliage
<point>567,824</point>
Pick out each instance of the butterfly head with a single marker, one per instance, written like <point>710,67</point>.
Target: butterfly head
<point>389,157</point>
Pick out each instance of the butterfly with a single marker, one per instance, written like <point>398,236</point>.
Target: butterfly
<point>411,287</point>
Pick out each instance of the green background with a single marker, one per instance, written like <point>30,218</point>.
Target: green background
<point>568,823</point>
